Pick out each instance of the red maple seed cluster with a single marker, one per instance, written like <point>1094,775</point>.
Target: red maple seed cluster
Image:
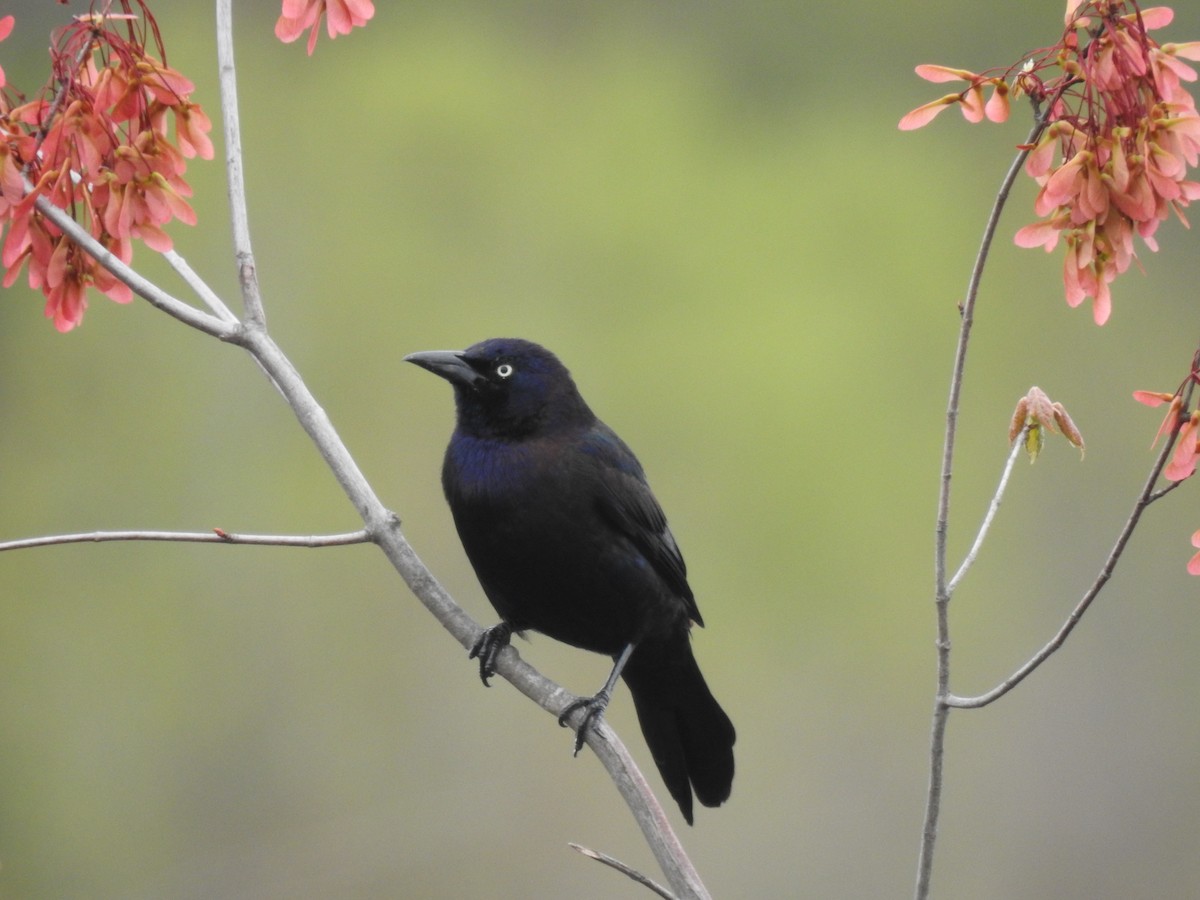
<point>1121,132</point>
<point>305,15</point>
<point>107,141</point>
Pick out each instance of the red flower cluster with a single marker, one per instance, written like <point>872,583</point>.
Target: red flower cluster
<point>99,144</point>
<point>340,17</point>
<point>1122,132</point>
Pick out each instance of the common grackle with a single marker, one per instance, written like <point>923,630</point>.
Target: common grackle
<point>555,514</point>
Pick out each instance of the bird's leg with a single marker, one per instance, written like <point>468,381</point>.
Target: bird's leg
<point>488,647</point>
<point>595,705</point>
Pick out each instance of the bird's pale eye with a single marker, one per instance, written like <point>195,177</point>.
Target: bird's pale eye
<point>504,370</point>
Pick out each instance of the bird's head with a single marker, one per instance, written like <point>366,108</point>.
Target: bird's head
<point>508,388</point>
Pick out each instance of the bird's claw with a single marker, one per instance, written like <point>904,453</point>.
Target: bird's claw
<point>595,707</point>
<point>488,646</point>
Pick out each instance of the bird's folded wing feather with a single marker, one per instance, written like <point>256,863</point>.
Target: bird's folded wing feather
<point>629,506</point>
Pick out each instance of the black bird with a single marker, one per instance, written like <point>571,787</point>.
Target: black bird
<point>555,514</point>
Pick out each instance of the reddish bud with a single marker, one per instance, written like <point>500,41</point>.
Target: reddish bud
<point>1037,414</point>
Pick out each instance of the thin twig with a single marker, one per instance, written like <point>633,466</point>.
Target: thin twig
<point>239,217</point>
<point>144,288</point>
<point>991,513</point>
<point>1147,496</point>
<point>960,354</point>
<point>647,811</point>
<point>624,869</point>
<point>216,536</point>
<point>200,286</point>
<point>941,590</point>
<point>1163,491</point>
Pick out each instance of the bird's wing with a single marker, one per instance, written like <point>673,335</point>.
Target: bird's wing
<point>628,505</point>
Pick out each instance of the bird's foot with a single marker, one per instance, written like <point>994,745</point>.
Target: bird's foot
<point>594,707</point>
<point>488,647</point>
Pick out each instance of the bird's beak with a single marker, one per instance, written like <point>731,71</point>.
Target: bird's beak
<point>449,364</point>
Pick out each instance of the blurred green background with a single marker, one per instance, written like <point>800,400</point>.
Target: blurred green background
<point>708,212</point>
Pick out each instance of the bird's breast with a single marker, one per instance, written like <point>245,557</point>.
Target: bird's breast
<point>479,471</point>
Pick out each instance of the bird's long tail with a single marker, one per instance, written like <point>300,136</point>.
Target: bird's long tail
<point>689,735</point>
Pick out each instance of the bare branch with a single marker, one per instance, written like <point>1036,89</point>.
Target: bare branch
<point>216,536</point>
<point>240,220</point>
<point>941,589</point>
<point>945,700</point>
<point>1147,496</point>
<point>967,312</point>
<point>991,513</point>
<point>1163,491</point>
<point>200,286</point>
<point>624,869</point>
<point>656,828</point>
